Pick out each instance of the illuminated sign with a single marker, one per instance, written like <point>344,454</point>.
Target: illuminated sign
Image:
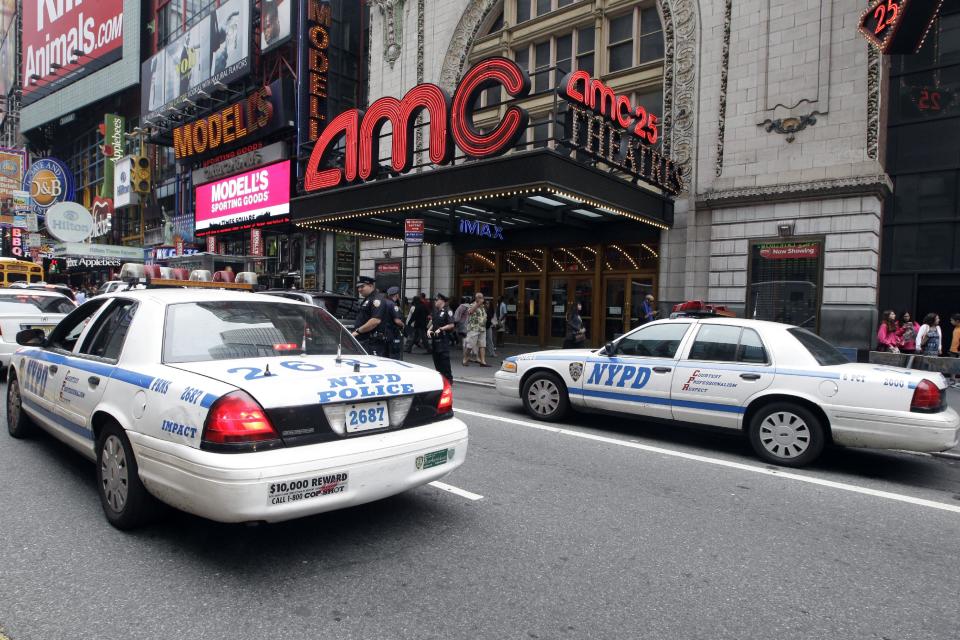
<point>316,23</point>
<point>63,41</point>
<point>789,251</point>
<point>899,26</point>
<point>252,199</point>
<point>49,181</point>
<point>242,162</point>
<point>481,229</point>
<point>580,88</point>
<point>451,123</point>
<point>260,113</point>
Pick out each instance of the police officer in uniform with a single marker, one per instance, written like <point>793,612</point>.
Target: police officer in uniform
<point>439,328</point>
<point>372,315</point>
<point>394,324</point>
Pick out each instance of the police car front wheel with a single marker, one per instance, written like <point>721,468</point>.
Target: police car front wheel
<point>786,434</point>
<point>545,397</point>
<point>125,501</point>
<point>19,424</point>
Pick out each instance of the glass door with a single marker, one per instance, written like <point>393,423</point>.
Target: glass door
<point>559,301</point>
<point>614,307</point>
<point>531,311</point>
<point>583,293</point>
<point>511,295</point>
<point>640,288</point>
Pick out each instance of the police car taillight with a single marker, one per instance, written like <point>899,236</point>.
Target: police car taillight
<point>927,398</point>
<point>445,405</point>
<point>237,419</point>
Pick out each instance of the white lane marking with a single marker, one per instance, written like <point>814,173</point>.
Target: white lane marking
<point>455,490</point>
<point>898,497</point>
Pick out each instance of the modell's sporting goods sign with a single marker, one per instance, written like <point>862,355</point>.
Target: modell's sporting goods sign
<point>252,199</point>
<point>80,36</point>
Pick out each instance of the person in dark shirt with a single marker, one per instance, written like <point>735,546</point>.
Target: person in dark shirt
<point>439,330</point>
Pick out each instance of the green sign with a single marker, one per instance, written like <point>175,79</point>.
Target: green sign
<point>434,458</point>
<point>114,148</point>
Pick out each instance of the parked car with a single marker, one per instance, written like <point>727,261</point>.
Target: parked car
<point>22,308</point>
<point>342,307</point>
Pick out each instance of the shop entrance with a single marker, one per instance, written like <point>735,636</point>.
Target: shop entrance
<point>523,299</point>
<point>623,303</point>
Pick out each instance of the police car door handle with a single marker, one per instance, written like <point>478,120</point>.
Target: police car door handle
<point>750,376</point>
<point>53,368</point>
<point>93,380</point>
<point>662,369</point>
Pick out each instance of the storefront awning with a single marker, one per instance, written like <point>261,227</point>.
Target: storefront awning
<point>538,196</point>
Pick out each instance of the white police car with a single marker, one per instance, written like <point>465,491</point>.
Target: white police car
<point>788,389</point>
<point>230,406</point>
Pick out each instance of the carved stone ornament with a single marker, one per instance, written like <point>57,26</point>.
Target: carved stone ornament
<point>680,47</point>
<point>392,13</point>
<point>873,103</point>
<point>724,72</point>
<point>791,125</point>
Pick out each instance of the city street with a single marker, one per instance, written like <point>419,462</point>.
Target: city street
<point>596,528</point>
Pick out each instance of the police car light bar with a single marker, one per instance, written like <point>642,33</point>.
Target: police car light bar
<point>693,308</point>
<point>153,276</point>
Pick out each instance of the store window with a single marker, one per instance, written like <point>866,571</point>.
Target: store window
<point>624,48</point>
<point>785,282</point>
<point>527,9</point>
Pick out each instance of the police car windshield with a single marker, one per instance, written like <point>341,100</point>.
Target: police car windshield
<point>223,330</point>
<point>822,351</point>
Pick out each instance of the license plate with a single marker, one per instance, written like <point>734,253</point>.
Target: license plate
<point>46,328</point>
<point>434,458</point>
<point>367,416</point>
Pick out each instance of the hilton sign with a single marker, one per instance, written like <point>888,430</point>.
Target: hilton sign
<point>599,123</point>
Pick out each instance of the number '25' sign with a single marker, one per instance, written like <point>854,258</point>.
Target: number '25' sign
<point>899,26</point>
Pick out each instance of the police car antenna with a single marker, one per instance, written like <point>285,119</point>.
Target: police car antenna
<point>340,347</point>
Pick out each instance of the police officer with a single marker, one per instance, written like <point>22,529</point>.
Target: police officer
<point>370,317</point>
<point>393,324</point>
<point>439,328</point>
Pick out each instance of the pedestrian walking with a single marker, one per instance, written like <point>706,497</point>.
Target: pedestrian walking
<point>394,324</point>
<point>491,328</point>
<point>419,315</point>
<point>502,320</point>
<point>930,338</point>
<point>460,319</point>
<point>648,312</point>
<point>576,334</point>
<point>476,326</point>
<point>80,295</point>
<point>888,335</point>
<point>371,315</point>
<point>908,333</point>
<point>440,327</point>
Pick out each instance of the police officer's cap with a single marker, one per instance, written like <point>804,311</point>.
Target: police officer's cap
<point>365,280</point>
<point>440,296</point>
<point>392,291</point>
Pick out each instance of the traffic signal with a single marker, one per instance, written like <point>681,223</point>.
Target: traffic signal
<point>140,178</point>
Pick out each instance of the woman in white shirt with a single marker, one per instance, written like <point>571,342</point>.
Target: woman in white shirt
<point>930,338</point>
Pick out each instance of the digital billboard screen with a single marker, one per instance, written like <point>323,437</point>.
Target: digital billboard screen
<point>79,37</point>
<point>250,199</point>
<point>214,49</point>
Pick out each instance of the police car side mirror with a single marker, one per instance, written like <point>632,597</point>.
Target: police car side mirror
<point>609,349</point>
<point>31,338</point>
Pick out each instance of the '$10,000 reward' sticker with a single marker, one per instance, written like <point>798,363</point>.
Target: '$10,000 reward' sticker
<point>306,488</point>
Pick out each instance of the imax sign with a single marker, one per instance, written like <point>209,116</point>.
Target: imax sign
<point>481,229</point>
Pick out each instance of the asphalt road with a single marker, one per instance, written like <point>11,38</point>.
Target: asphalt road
<point>603,529</point>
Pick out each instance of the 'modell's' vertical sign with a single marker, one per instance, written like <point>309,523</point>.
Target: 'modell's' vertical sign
<point>314,65</point>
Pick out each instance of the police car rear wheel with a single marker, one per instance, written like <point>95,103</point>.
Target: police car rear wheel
<point>125,501</point>
<point>545,397</point>
<point>19,424</point>
<point>786,434</point>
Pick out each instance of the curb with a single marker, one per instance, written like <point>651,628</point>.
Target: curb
<point>949,455</point>
<point>475,382</point>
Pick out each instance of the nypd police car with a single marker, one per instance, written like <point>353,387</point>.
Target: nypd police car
<point>790,391</point>
<point>230,406</point>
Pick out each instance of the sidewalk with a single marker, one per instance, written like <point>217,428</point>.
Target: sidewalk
<point>477,375</point>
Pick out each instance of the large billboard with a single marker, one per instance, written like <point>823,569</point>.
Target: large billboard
<point>215,49</point>
<point>252,199</point>
<point>8,62</point>
<point>276,23</point>
<point>12,164</point>
<point>80,37</point>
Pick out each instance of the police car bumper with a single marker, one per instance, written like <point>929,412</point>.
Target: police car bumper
<point>282,484</point>
<point>910,431</point>
<point>507,383</point>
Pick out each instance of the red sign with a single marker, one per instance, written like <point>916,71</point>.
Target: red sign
<point>211,244</point>
<point>179,246</point>
<point>388,267</point>
<point>63,41</point>
<point>899,26</point>
<point>790,251</point>
<point>451,123</point>
<point>413,225</point>
<point>256,242</point>
<point>579,87</point>
<point>253,198</point>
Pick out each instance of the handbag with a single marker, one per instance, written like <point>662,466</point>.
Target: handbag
<point>580,336</point>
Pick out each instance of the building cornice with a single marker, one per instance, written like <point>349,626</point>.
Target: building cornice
<point>878,186</point>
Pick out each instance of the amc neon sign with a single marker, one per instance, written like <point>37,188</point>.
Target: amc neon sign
<point>451,124</point>
<point>579,87</point>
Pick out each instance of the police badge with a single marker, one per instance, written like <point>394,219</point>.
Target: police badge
<point>576,370</point>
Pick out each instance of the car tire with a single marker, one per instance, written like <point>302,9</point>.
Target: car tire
<point>125,501</point>
<point>787,434</point>
<point>19,424</point>
<point>545,397</point>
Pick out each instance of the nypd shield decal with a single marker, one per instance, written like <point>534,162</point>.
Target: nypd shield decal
<point>576,370</point>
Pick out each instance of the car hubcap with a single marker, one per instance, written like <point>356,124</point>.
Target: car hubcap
<point>784,434</point>
<point>13,403</point>
<point>544,397</point>
<point>113,473</point>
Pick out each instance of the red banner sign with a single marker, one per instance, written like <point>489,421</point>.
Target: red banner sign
<point>256,242</point>
<point>63,41</point>
<point>211,244</point>
<point>790,251</point>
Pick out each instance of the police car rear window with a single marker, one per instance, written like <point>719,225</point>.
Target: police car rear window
<point>821,350</point>
<point>223,330</point>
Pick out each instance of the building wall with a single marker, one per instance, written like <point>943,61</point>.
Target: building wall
<point>773,108</point>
